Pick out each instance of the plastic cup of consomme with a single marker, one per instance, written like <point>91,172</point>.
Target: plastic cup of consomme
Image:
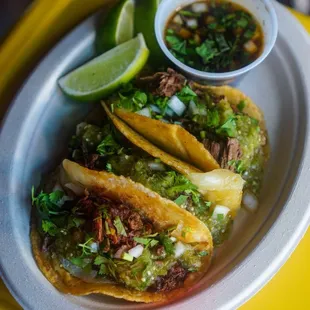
<point>215,41</point>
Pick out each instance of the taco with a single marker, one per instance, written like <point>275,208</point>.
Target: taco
<point>205,126</point>
<point>107,234</point>
<point>213,197</point>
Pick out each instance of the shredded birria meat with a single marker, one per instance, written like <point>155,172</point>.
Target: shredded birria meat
<point>165,84</point>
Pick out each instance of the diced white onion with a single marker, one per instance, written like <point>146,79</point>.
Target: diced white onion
<point>80,127</point>
<point>145,112</point>
<point>155,108</point>
<point>119,253</point>
<point>220,210</point>
<point>136,251</point>
<point>179,249</point>
<point>250,47</point>
<point>199,7</point>
<point>192,23</point>
<point>77,190</point>
<point>176,105</point>
<point>250,202</point>
<point>178,20</point>
<point>57,187</point>
<point>170,112</point>
<point>173,239</point>
<point>63,200</point>
<point>194,110</point>
<point>94,247</point>
<point>164,121</point>
<point>78,272</point>
<point>156,166</point>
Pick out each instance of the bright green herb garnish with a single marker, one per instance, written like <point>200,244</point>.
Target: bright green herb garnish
<point>224,38</point>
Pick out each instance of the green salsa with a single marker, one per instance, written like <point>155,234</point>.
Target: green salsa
<point>93,238</point>
<point>127,160</point>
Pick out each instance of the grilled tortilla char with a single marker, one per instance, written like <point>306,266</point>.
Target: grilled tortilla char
<point>107,234</point>
<point>208,127</point>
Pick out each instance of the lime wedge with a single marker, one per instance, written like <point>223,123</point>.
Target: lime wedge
<point>117,28</point>
<point>102,75</point>
<point>145,12</point>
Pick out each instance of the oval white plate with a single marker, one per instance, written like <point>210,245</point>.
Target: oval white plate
<point>41,120</point>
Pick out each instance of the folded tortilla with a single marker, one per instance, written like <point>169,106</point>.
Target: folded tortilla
<point>164,214</point>
<point>148,147</point>
<point>177,141</point>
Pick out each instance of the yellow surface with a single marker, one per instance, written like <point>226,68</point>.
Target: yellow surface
<point>42,25</point>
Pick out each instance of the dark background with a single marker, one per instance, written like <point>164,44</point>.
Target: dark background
<point>11,10</point>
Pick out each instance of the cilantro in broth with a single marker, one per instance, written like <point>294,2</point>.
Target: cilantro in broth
<point>224,37</point>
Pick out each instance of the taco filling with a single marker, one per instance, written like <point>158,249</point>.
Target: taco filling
<point>96,239</point>
<point>234,138</point>
<point>103,233</point>
<point>104,148</point>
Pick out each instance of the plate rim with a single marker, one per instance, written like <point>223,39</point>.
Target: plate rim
<point>302,227</point>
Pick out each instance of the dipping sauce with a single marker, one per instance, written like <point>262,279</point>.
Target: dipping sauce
<point>214,36</point>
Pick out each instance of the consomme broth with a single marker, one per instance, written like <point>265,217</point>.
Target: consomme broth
<point>214,36</point>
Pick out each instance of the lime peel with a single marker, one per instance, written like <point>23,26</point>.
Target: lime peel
<point>117,28</point>
<point>105,73</point>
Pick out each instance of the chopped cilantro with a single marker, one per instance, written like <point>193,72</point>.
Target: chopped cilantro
<point>107,266</point>
<point>56,196</point>
<point>139,98</point>
<point>47,204</point>
<point>100,260</point>
<point>207,50</point>
<point>50,228</point>
<point>79,261</point>
<point>103,270</point>
<point>215,43</point>
<point>167,243</point>
<point>186,94</point>
<point>241,105</point>
<point>242,22</point>
<point>238,165</point>
<point>229,128</point>
<point>119,226</point>
<point>86,249</point>
<point>109,167</point>
<point>213,118</point>
<point>177,44</point>
<point>131,98</point>
<point>189,13</point>
<point>108,146</point>
<point>162,103</point>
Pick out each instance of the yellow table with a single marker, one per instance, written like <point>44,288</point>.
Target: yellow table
<point>289,289</point>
